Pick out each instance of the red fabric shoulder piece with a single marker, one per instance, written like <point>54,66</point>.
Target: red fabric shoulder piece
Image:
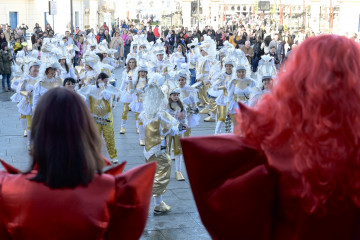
<point>232,187</point>
<point>133,195</point>
<point>115,169</point>
<point>9,168</point>
<point>107,162</point>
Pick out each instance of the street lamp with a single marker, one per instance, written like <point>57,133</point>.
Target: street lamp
<point>72,20</point>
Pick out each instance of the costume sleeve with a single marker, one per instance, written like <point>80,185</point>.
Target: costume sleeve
<point>36,94</point>
<point>4,234</point>
<point>232,187</point>
<point>133,195</point>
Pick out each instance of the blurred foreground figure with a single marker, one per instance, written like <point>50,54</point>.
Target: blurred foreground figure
<point>293,169</point>
<point>66,194</point>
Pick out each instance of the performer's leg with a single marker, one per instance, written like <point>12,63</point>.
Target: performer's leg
<point>110,139</point>
<point>221,116</point>
<point>141,134</point>
<point>233,120</point>
<point>187,133</point>
<point>24,124</point>
<point>137,122</point>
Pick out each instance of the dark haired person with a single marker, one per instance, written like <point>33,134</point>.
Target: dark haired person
<point>69,83</point>
<point>66,70</point>
<point>5,66</point>
<point>66,194</point>
<point>99,98</point>
<point>292,169</point>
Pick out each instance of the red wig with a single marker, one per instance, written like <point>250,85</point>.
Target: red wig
<point>315,108</point>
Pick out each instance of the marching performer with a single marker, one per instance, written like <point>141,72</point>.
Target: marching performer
<point>158,124</point>
<point>99,98</point>
<point>26,89</point>
<point>140,81</point>
<point>48,81</point>
<point>241,89</point>
<point>188,96</point>
<point>267,82</point>
<point>127,89</point>
<point>193,54</point>
<point>220,84</point>
<point>208,52</point>
<point>179,57</point>
<point>66,69</point>
<point>89,76</point>
<point>176,109</point>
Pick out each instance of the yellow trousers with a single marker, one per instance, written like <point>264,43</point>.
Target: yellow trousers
<point>212,105</point>
<point>221,113</point>
<point>137,118</point>
<point>202,94</point>
<point>174,142</point>
<point>108,132</point>
<point>125,111</point>
<point>28,119</point>
<point>187,133</point>
<point>162,174</point>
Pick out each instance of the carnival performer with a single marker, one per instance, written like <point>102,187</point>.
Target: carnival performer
<point>140,81</point>
<point>265,89</point>
<point>292,169</point>
<point>48,81</point>
<point>188,96</point>
<point>158,124</point>
<point>241,89</point>
<point>220,83</point>
<point>193,55</point>
<point>208,53</point>
<point>176,109</point>
<point>66,69</point>
<point>99,98</point>
<point>26,89</point>
<point>179,57</point>
<point>89,76</point>
<point>127,89</point>
<point>67,178</point>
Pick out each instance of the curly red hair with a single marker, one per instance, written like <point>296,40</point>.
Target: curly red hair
<point>315,108</point>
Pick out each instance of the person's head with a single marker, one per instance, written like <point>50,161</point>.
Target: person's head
<point>174,97</point>
<point>241,73</point>
<point>92,47</point>
<point>62,61</point>
<point>65,40</point>
<point>228,68</point>
<point>116,34</point>
<point>272,49</point>
<point>142,74</point>
<point>102,80</point>
<point>179,48</point>
<point>34,70</point>
<point>66,146</point>
<point>67,34</point>
<point>69,83</point>
<point>106,32</point>
<point>37,25</point>
<point>160,57</point>
<point>313,109</point>
<point>131,65</point>
<point>247,44</point>
<point>267,83</point>
<point>101,31</point>
<point>50,72</point>
<point>4,46</point>
<point>142,47</point>
<point>2,35</point>
<point>203,53</point>
<point>182,82</point>
<point>88,67</point>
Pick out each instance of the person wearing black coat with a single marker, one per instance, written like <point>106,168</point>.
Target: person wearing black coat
<point>151,36</point>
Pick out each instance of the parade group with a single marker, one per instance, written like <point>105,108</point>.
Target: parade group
<point>167,94</point>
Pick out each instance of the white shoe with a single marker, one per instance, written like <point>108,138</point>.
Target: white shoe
<point>114,160</point>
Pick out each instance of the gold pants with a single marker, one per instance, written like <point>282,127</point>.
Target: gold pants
<point>212,105</point>
<point>175,140</point>
<point>28,119</point>
<point>221,113</point>
<point>187,133</point>
<point>162,174</point>
<point>202,94</point>
<point>108,132</point>
<point>125,111</point>
<point>137,118</point>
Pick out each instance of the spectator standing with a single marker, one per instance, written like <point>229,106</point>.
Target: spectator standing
<point>117,43</point>
<point>151,36</point>
<point>127,46</point>
<point>107,36</point>
<point>5,66</point>
<point>23,28</point>
<point>125,35</point>
<point>37,28</point>
<point>100,36</point>
<point>7,33</point>
<point>77,30</point>
<point>249,52</point>
<point>2,38</point>
<point>156,32</point>
<point>78,54</point>
<point>105,27</point>
<point>48,28</point>
<point>235,39</point>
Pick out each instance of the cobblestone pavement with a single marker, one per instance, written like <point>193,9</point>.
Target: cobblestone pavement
<point>183,222</point>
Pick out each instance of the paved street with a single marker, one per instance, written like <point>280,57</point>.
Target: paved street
<point>183,222</point>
